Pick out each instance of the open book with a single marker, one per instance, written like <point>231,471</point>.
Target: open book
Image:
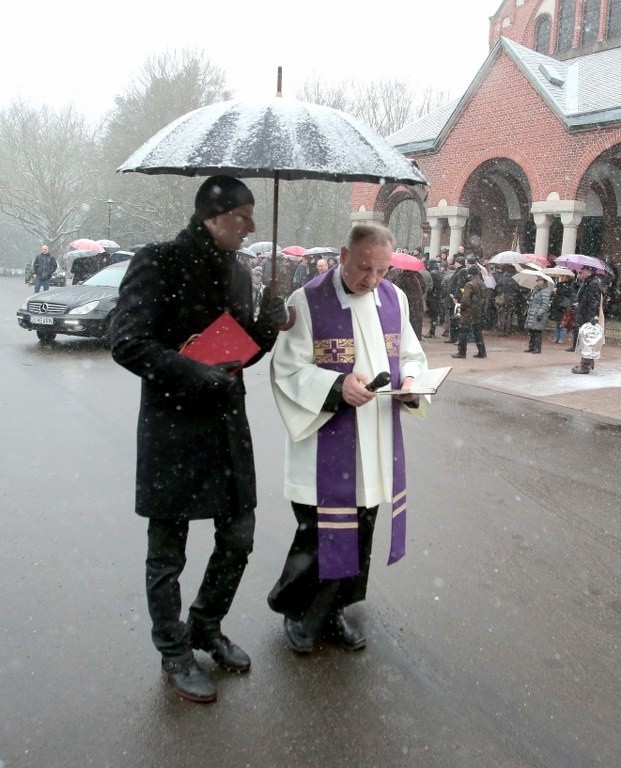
<point>425,383</point>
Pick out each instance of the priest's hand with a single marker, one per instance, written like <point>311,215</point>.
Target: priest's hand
<point>354,391</point>
<point>410,400</point>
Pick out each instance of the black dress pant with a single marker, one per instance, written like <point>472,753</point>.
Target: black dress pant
<point>165,562</point>
<point>299,593</point>
<point>462,339</point>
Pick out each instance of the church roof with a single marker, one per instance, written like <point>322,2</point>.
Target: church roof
<point>583,92</point>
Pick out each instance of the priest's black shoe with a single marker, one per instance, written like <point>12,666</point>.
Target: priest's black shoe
<point>188,679</point>
<point>299,640</point>
<point>226,654</point>
<point>339,631</point>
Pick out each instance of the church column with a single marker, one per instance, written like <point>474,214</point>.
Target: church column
<point>571,222</point>
<point>436,225</point>
<point>362,216</point>
<point>457,223</point>
<point>543,222</point>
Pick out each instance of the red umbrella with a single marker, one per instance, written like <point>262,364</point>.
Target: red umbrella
<point>538,259</point>
<point>294,250</point>
<point>84,244</point>
<point>405,261</point>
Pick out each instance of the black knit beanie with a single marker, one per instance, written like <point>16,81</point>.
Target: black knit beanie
<point>220,194</point>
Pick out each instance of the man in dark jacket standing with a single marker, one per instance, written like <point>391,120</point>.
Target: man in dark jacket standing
<point>195,457</point>
<point>586,308</point>
<point>43,267</point>
<point>471,311</point>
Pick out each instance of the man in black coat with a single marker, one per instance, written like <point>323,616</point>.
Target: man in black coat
<point>195,456</point>
<point>43,267</point>
<point>586,308</point>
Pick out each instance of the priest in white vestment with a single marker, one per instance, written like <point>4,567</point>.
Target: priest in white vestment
<point>344,450</point>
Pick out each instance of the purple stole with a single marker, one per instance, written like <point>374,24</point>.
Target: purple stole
<point>337,515</point>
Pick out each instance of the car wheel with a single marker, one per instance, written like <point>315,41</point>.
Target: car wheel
<point>45,337</point>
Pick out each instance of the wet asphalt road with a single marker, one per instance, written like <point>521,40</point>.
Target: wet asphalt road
<point>495,644</point>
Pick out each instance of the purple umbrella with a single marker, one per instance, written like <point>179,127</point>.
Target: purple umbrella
<point>576,261</point>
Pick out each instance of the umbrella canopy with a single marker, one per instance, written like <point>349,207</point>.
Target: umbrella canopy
<point>294,250</point>
<point>528,277</point>
<point>108,244</point>
<point>539,260</point>
<point>247,252</point>
<point>407,262</point>
<point>87,245</point>
<point>271,138</point>
<point>577,261</point>
<point>509,257</point>
<point>559,271</point>
<point>264,247</point>
<point>320,250</point>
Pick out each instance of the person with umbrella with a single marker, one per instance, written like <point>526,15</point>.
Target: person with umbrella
<point>351,326</point>
<point>195,456</point>
<point>586,308</point>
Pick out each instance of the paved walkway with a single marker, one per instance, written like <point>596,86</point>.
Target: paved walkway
<point>546,377</point>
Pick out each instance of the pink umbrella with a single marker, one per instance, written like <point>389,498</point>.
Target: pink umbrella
<point>84,244</point>
<point>294,250</point>
<point>576,261</point>
<point>405,261</point>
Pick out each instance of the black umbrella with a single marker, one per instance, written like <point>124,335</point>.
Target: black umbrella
<point>273,138</point>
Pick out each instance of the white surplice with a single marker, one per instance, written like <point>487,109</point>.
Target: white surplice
<point>300,388</point>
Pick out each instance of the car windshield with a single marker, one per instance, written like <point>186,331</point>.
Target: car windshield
<point>109,276</point>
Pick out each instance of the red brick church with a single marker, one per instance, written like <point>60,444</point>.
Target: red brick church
<point>532,150</point>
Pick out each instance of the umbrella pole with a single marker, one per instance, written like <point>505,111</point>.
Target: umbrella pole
<point>274,282</point>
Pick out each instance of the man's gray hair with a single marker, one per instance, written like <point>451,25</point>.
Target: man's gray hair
<point>378,235</point>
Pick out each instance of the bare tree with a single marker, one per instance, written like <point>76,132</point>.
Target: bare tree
<point>169,85</point>
<point>48,170</point>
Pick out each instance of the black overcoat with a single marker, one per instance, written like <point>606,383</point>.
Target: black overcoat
<point>194,457</point>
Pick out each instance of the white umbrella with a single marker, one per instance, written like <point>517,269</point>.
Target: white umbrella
<point>559,271</point>
<point>320,250</point>
<point>108,244</point>
<point>509,257</point>
<point>528,277</point>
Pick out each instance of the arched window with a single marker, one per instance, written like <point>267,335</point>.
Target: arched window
<point>566,21</point>
<point>614,19</point>
<point>590,21</point>
<point>542,34</point>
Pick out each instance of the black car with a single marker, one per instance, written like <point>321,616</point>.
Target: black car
<point>77,310</point>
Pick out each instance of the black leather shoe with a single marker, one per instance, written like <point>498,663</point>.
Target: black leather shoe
<point>463,357</point>
<point>226,654</point>
<point>189,680</point>
<point>429,335</point>
<point>299,640</point>
<point>478,354</point>
<point>339,631</point>
<point>449,341</point>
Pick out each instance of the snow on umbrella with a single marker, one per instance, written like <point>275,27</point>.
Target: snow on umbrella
<point>559,271</point>
<point>527,278</point>
<point>509,257</point>
<point>320,250</point>
<point>577,261</point>
<point>87,245</point>
<point>406,261</point>
<point>108,244</point>
<point>273,138</point>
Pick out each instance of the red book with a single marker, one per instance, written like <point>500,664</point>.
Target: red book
<point>221,342</point>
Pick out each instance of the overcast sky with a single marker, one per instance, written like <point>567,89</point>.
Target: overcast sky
<point>85,53</point>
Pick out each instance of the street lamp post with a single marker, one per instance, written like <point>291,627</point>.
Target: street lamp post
<point>110,202</point>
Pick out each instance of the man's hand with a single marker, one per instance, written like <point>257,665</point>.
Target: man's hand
<point>354,391</point>
<point>273,311</point>
<point>220,377</point>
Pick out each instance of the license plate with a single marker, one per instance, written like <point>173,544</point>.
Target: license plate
<point>34,320</point>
